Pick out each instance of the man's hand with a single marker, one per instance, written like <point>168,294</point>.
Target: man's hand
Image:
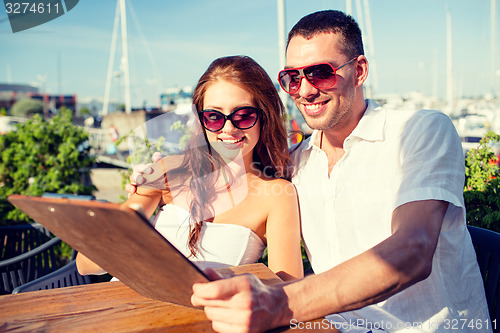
<point>240,304</point>
<point>137,178</point>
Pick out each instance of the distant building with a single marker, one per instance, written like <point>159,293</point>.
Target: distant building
<point>95,105</point>
<point>11,93</point>
<point>173,97</point>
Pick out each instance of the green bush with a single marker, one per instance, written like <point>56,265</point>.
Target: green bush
<point>26,107</point>
<point>482,184</point>
<point>43,156</point>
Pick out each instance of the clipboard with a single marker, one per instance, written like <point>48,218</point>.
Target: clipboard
<point>121,241</point>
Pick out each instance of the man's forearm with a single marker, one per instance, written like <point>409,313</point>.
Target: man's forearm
<point>362,281</point>
<point>393,265</point>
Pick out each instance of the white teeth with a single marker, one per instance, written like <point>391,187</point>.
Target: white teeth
<point>313,106</point>
<point>231,141</point>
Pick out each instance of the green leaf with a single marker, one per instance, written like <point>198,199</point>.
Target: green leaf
<point>43,156</point>
<point>482,184</point>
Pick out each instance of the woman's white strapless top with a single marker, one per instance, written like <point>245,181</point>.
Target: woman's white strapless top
<point>220,245</point>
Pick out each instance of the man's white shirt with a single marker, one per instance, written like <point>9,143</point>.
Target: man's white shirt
<point>391,158</point>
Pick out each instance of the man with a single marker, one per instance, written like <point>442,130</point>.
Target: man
<point>383,217</point>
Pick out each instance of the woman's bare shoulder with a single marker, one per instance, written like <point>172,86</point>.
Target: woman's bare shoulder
<point>276,188</point>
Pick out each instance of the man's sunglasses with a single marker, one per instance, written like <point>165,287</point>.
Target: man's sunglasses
<point>242,118</point>
<point>321,76</point>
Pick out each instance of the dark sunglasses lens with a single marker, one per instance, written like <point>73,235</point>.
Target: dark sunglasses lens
<point>321,76</point>
<point>290,80</point>
<point>244,118</point>
<point>213,121</point>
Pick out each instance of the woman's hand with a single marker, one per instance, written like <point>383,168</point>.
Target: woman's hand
<point>137,178</point>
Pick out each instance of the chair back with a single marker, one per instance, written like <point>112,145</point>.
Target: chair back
<point>487,246</point>
<point>19,239</point>
<point>28,266</point>
<point>65,276</point>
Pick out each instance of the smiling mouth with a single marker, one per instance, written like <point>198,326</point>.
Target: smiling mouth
<point>312,109</point>
<point>232,141</point>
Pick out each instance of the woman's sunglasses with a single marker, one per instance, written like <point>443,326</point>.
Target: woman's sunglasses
<point>321,76</point>
<point>242,118</point>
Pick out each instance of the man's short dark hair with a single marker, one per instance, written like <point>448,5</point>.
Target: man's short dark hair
<point>331,21</point>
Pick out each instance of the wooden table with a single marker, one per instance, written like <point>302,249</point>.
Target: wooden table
<point>109,307</point>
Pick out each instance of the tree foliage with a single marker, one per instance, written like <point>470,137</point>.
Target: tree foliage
<point>43,156</point>
<point>482,184</point>
<point>85,112</point>
<point>26,108</point>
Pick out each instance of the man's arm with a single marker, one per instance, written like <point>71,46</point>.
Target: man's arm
<point>398,262</point>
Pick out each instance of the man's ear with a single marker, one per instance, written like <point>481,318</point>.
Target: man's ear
<point>361,70</point>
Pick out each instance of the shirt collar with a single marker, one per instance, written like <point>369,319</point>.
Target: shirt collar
<point>370,127</point>
<point>307,144</point>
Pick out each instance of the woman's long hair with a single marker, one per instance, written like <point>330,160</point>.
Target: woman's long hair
<point>201,165</point>
<point>271,152</point>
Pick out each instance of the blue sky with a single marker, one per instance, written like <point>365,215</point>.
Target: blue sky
<point>172,42</point>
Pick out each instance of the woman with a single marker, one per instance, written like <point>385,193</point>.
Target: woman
<point>223,205</point>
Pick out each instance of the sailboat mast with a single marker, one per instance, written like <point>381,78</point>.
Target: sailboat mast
<point>493,71</point>
<point>107,90</point>
<point>125,56</point>
<point>120,15</point>
<point>449,65</point>
<point>371,49</point>
<point>282,46</point>
<point>348,7</point>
